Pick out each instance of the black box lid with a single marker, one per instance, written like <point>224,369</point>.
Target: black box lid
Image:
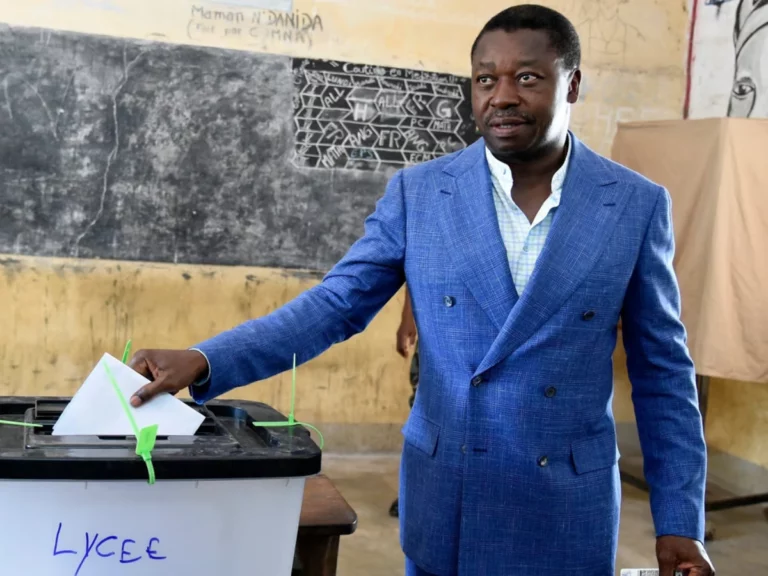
<point>226,445</point>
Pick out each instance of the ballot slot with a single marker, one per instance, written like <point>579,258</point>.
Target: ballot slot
<point>231,442</point>
<point>223,427</point>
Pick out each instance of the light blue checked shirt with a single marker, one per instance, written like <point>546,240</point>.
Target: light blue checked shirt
<point>523,240</point>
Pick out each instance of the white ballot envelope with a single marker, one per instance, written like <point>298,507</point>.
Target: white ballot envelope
<point>96,408</point>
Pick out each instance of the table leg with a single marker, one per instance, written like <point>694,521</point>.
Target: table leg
<point>318,555</point>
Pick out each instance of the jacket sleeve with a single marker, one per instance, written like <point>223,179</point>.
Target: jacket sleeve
<point>664,384</point>
<point>342,305</point>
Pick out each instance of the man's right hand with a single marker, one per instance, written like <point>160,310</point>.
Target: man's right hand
<point>169,371</point>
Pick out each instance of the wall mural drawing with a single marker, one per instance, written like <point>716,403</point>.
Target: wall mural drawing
<point>749,94</point>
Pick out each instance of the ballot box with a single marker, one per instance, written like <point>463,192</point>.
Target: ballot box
<point>224,501</point>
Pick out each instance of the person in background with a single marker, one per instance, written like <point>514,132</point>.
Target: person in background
<point>520,254</point>
<point>406,339</point>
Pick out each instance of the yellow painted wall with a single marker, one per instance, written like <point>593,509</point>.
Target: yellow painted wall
<point>62,314</point>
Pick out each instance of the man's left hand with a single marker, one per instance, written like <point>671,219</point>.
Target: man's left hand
<point>683,554</point>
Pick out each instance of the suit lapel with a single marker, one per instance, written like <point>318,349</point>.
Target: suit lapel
<point>589,210</point>
<point>467,216</point>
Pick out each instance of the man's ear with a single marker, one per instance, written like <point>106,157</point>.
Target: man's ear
<point>573,86</point>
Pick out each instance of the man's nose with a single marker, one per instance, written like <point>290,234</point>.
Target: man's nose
<point>506,94</point>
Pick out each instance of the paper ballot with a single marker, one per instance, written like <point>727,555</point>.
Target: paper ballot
<point>96,409</point>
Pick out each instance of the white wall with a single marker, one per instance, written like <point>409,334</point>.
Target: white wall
<point>716,80</point>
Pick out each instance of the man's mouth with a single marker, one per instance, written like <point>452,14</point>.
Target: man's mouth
<point>507,126</point>
<point>507,122</point>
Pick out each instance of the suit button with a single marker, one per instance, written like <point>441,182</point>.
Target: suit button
<point>463,449</point>
<point>543,461</point>
<point>477,380</point>
<point>550,392</point>
<point>449,301</point>
<point>588,315</point>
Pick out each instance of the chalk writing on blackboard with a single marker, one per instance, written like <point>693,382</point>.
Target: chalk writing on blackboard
<point>359,117</point>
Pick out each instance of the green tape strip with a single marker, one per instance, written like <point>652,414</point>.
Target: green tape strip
<point>24,424</point>
<point>145,438</point>
<point>144,446</point>
<point>291,418</point>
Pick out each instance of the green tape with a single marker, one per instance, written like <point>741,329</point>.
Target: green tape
<point>23,424</point>
<point>291,419</point>
<point>144,446</point>
<point>293,391</point>
<point>123,401</point>
<point>145,438</point>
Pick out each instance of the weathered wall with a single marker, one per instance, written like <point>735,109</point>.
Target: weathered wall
<point>61,314</point>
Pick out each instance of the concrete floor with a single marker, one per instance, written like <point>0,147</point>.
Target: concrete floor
<point>369,483</point>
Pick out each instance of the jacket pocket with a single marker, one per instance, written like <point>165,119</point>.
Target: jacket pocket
<point>421,434</point>
<point>594,453</point>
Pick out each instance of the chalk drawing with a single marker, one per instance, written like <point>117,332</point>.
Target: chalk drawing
<point>749,91</point>
<point>605,35</point>
<point>352,116</point>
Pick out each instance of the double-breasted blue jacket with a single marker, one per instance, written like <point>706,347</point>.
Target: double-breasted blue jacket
<point>510,459</point>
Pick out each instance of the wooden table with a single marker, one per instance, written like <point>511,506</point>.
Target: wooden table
<point>325,517</point>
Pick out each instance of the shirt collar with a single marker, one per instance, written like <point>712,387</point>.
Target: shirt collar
<point>502,173</point>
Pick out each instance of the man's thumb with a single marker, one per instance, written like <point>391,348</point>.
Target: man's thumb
<point>147,392</point>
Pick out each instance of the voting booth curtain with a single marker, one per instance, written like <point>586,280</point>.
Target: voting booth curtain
<point>716,171</point>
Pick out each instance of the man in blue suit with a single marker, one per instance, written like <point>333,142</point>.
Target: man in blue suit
<point>520,253</point>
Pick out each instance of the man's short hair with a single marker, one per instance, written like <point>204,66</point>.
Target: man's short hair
<point>562,34</point>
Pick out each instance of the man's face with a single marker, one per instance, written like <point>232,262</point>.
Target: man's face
<point>520,92</point>
<point>749,95</point>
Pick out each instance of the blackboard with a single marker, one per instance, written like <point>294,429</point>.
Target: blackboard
<point>132,150</point>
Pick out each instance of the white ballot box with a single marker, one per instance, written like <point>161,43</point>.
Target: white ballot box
<point>226,499</point>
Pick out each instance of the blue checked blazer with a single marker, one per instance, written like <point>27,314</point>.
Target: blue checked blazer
<point>510,460</point>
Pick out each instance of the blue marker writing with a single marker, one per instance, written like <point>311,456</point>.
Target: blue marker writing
<point>56,550</point>
<point>124,553</point>
<point>101,547</point>
<point>151,553</point>
<point>100,544</point>
<point>88,547</point>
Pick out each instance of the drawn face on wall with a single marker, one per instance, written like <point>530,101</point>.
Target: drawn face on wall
<point>749,93</point>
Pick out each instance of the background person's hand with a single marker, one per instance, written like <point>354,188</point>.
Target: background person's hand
<point>169,370</point>
<point>688,556</point>
<point>406,336</point>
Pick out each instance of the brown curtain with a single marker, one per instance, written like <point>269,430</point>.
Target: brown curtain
<point>716,171</point>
